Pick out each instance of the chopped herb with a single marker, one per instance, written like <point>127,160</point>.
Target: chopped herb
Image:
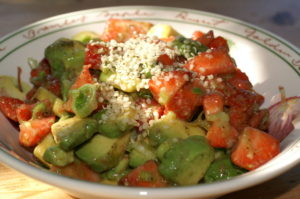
<point>197,90</point>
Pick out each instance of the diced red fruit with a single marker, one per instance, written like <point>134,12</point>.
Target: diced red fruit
<point>44,68</point>
<point>260,119</point>
<point>211,63</point>
<point>197,34</point>
<point>93,55</point>
<point>146,175</point>
<point>24,112</point>
<point>185,101</point>
<point>167,84</point>
<point>254,149</point>
<point>84,77</point>
<point>240,80</point>
<point>213,103</point>
<point>33,131</point>
<point>78,170</point>
<point>222,135</point>
<point>9,105</point>
<point>122,29</point>
<point>41,76</point>
<point>219,43</point>
<point>205,39</point>
<point>238,118</point>
<point>165,60</point>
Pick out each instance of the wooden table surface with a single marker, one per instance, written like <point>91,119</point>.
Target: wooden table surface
<point>280,17</point>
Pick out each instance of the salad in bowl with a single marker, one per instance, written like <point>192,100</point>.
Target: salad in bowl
<point>142,105</point>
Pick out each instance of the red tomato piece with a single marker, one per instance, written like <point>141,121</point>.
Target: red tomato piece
<point>222,135</point>
<point>167,84</point>
<point>186,100</point>
<point>254,149</point>
<point>9,105</point>
<point>33,131</point>
<point>220,43</point>
<point>122,29</point>
<point>165,60</point>
<point>211,63</point>
<point>146,175</point>
<point>213,103</point>
<point>205,39</point>
<point>84,77</point>
<point>93,55</point>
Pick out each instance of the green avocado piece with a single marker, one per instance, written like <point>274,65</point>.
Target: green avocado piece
<point>116,127</point>
<point>58,157</point>
<point>71,132</point>
<point>86,36</point>
<point>44,94</point>
<point>171,127</point>
<point>186,162</point>
<point>48,152</point>
<point>84,100</point>
<point>164,147</point>
<point>40,149</point>
<point>141,153</point>
<point>66,59</point>
<point>222,169</point>
<point>9,88</point>
<point>102,153</point>
<point>116,173</point>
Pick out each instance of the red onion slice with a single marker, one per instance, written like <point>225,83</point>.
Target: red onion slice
<point>282,116</point>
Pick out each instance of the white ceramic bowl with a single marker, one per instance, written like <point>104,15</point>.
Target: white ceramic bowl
<point>268,60</point>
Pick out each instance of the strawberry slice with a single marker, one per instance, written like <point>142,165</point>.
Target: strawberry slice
<point>254,149</point>
<point>93,55</point>
<point>9,105</point>
<point>282,116</point>
<point>167,84</point>
<point>85,77</point>
<point>146,175</point>
<point>215,61</point>
<point>123,29</point>
<point>33,131</point>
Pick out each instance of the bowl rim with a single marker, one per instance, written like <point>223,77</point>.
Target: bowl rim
<point>218,188</point>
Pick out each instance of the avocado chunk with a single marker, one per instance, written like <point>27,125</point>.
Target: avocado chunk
<point>9,88</point>
<point>71,132</point>
<point>164,147</point>
<point>40,149</point>
<point>58,157</point>
<point>66,59</point>
<point>43,94</point>
<point>86,36</point>
<point>102,153</point>
<point>48,152</point>
<point>115,127</point>
<point>84,100</point>
<point>140,153</point>
<point>113,175</point>
<point>222,169</point>
<point>186,162</point>
<point>171,127</point>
